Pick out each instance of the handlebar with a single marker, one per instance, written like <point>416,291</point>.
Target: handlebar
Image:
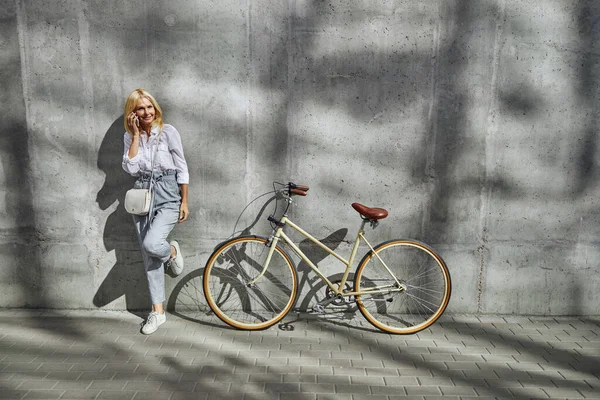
<point>297,189</point>
<point>298,192</point>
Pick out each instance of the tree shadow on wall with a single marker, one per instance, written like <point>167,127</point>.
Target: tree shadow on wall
<point>127,277</point>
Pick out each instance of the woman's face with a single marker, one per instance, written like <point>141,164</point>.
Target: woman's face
<point>145,112</point>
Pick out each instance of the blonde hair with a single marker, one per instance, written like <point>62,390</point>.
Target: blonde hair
<point>132,101</point>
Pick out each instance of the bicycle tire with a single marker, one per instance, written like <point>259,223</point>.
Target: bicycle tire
<point>232,266</point>
<point>419,270</point>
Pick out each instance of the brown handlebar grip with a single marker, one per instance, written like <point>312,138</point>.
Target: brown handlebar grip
<point>298,191</point>
<point>302,187</point>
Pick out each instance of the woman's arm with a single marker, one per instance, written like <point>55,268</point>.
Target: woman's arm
<point>134,125</point>
<point>183,208</point>
<point>130,164</point>
<point>132,145</point>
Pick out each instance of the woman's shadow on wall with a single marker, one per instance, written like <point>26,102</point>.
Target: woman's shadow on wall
<point>126,277</point>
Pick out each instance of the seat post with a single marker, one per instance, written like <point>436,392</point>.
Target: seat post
<point>362,225</point>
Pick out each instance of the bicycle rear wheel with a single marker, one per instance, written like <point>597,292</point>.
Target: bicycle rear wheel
<point>408,297</point>
<point>228,292</point>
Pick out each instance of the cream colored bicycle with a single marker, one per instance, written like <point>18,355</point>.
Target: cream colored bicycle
<point>401,286</point>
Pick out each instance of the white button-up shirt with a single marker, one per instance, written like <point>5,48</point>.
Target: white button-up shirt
<point>168,156</point>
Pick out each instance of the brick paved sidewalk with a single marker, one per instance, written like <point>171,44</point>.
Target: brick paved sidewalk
<point>102,355</point>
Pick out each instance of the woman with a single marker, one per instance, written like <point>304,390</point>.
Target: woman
<point>145,130</point>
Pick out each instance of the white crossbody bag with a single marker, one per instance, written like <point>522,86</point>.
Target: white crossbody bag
<point>139,201</point>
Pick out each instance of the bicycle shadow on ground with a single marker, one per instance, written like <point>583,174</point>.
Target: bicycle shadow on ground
<point>187,300</point>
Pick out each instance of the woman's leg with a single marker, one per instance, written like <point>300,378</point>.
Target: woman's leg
<point>152,234</point>
<point>152,238</point>
<point>158,250</point>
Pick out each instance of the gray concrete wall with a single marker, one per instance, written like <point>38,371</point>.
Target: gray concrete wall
<point>474,122</point>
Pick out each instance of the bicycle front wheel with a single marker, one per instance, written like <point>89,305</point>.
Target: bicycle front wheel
<point>405,286</point>
<point>233,296</point>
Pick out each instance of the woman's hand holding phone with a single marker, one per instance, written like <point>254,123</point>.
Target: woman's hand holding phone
<point>134,123</point>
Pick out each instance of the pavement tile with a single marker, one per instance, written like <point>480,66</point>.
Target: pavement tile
<point>528,393</point>
<point>537,383</point>
<point>265,378</point>
<point>317,370</point>
<point>298,378</point>
<point>13,384</point>
<point>135,385</point>
<point>212,387</point>
<point>349,371</point>
<point>473,350</point>
<point>336,362</point>
<point>80,394</point>
<point>554,393</point>
<point>303,361</point>
<point>286,396</point>
<point>482,374</point>
<point>267,362</point>
<point>380,390</point>
<point>415,350</point>
<point>339,379</point>
<point>176,386</point>
<point>374,363</point>
<point>381,371</point>
<point>20,366</point>
<point>231,377</point>
<point>283,369</point>
<point>116,395</point>
<point>365,380</point>
<point>414,372</point>
<point>590,394</point>
<point>144,395</point>
<point>497,392</point>
<point>287,387</point>
<point>123,367</point>
<point>422,380</point>
<point>352,389</point>
<point>461,365</point>
<point>515,375</point>
<point>445,350</point>
<point>196,376</point>
<point>422,390</point>
<point>457,391</point>
<point>72,385</point>
<point>6,375</point>
<point>38,384</point>
<point>502,383</point>
<point>43,394</point>
<point>87,367</point>
<point>573,374</point>
<point>12,394</point>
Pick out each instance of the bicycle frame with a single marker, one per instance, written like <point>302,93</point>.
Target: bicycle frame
<point>279,234</point>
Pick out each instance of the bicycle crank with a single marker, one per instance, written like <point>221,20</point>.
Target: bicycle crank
<point>335,300</point>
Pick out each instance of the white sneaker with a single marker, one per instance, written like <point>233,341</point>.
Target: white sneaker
<point>176,264</point>
<point>155,319</point>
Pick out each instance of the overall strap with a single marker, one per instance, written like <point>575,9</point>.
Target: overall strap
<point>154,158</point>
<point>152,175</point>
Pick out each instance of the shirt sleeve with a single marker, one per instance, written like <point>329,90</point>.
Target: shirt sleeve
<point>176,149</point>
<point>130,165</point>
